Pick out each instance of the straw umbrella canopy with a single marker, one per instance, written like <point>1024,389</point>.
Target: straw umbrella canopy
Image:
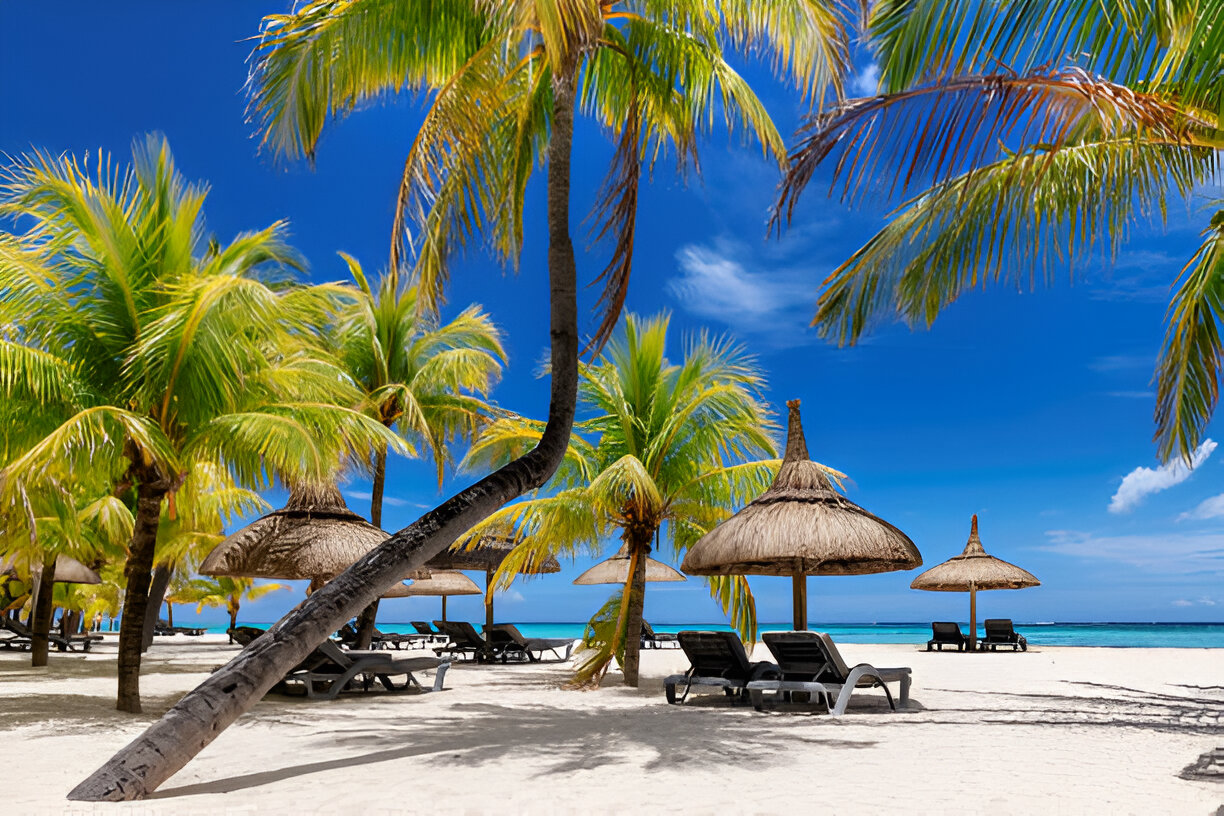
<point>971,571</point>
<point>314,537</point>
<point>68,570</point>
<point>487,557</point>
<point>801,526</point>
<point>440,582</point>
<point>615,570</point>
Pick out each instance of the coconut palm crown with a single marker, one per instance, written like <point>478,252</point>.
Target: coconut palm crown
<point>674,446</point>
<point>1019,136</point>
<point>157,350</point>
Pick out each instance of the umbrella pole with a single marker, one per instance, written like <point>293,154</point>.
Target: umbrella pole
<point>972,618</point>
<point>799,597</point>
<point>444,609</point>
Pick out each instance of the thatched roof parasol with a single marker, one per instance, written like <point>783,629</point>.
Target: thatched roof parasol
<point>68,570</point>
<point>615,570</point>
<point>487,557</point>
<point>801,526</point>
<point>315,536</point>
<point>971,571</point>
<point>440,582</point>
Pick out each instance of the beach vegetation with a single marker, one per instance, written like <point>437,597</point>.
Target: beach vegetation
<point>662,445</point>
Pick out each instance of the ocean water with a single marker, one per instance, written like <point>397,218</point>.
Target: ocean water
<point>1175,635</point>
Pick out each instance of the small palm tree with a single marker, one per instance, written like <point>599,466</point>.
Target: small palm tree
<point>675,445</point>
<point>227,592</point>
<point>428,382</point>
<point>1009,168</point>
<point>159,350</point>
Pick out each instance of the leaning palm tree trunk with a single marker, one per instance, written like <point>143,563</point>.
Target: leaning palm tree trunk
<point>157,594</point>
<point>197,719</point>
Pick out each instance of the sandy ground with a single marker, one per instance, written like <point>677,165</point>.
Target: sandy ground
<point>1056,730</point>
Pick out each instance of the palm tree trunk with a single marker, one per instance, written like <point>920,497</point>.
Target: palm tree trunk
<point>196,720</point>
<point>637,598</point>
<point>170,613</point>
<point>365,621</point>
<point>157,593</point>
<point>139,569</point>
<point>40,616</point>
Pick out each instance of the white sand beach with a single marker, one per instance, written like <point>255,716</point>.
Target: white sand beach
<point>1055,730</point>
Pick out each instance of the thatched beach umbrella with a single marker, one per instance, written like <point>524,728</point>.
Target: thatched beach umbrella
<point>615,570</point>
<point>68,570</point>
<point>487,557</point>
<point>971,571</point>
<point>801,526</point>
<point>314,537</point>
<point>440,582</point>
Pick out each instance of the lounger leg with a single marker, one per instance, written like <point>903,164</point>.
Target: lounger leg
<point>437,686</point>
<point>905,687</point>
<point>669,689</point>
<point>856,674</point>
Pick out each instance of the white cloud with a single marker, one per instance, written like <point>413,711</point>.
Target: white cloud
<point>511,595</point>
<point>716,285</point>
<point>1199,602</point>
<point>391,500</point>
<point>1183,602</point>
<point>1143,481</point>
<point>1168,554</point>
<point>1207,509</point>
<point>867,81</point>
<point>1131,394</point>
<point>1122,362</point>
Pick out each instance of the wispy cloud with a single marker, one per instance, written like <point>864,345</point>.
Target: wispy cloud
<point>1169,554</point>
<point>1207,509</point>
<point>1198,602</point>
<point>717,283</point>
<point>867,81</point>
<point>1122,362</point>
<point>1131,394</point>
<point>391,500</point>
<point>1144,481</point>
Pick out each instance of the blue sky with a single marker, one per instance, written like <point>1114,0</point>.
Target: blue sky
<point>1032,409</point>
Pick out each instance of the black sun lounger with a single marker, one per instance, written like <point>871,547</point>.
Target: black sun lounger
<point>947,633</point>
<point>656,640</point>
<point>718,659</point>
<point>330,670</point>
<point>464,640</point>
<point>1000,632</point>
<point>809,662</point>
<point>510,642</point>
<point>64,643</point>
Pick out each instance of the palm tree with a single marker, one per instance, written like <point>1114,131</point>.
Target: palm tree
<point>161,351</point>
<point>676,444</point>
<point>504,78</point>
<point>1007,173</point>
<point>227,592</point>
<point>426,381</point>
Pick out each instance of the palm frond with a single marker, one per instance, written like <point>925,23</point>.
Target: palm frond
<point>1014,221</point>
<point>1188,372</point>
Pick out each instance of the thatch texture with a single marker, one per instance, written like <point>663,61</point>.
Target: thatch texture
<point>488,557</point>
<point>441,582</point>
<point>315,536</point>
<point>68,570</point>
<point>974,569</point>
<point>801,525</point>
<point>615,570</point>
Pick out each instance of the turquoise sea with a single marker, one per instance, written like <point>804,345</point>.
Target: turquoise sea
<point>1179,635</point>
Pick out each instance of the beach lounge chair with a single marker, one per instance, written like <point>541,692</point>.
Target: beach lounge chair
<point>243,635</point>
<point>510,642</point>
<point>330,670</point>
<point>463,640</point>
<point>809,662</point>
<point>1000,632</point>
<point>717,659</point>
<point>947,633</point>
<point>164,628</point>
<point>431,634</point>
<point>10,639</point>
<point>61,642</point>
<point>655,640</point>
